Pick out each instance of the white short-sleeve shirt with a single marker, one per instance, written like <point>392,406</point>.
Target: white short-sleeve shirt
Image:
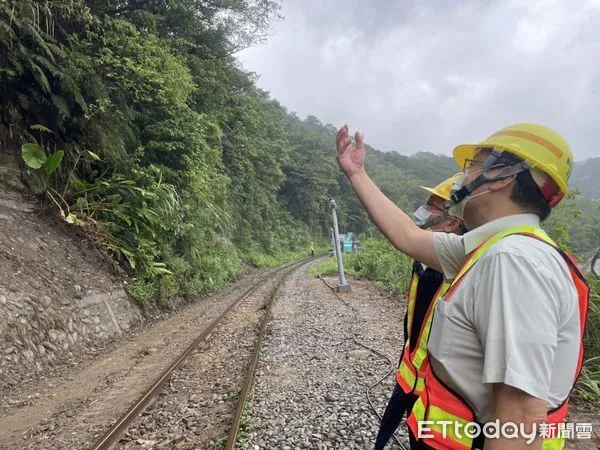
<point>513,319</point>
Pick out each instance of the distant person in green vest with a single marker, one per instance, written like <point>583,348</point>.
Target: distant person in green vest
<point>312,249</point>
<point>424,284</point>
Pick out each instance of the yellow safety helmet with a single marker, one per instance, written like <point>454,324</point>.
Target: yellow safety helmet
<point>542,147</point>
<point>443,189</point>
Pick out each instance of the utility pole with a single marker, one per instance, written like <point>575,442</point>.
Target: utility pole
<point>343,286</point>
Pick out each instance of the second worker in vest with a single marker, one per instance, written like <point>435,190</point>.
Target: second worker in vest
<point>424,284</point>
<point>506,342</point>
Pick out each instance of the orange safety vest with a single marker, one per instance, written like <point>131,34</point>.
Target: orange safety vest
<point>438,403</point>
<point>410,374</point>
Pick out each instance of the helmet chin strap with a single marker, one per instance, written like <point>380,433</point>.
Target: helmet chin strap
<point>489,162</point>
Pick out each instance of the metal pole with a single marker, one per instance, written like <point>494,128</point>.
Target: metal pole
<point>332,240</point>
<point>343,286</point>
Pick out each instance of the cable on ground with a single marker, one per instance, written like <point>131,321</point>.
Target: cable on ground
<point>377,352</point>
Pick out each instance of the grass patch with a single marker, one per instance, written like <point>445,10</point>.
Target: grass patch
<point>263,260</point>
<point>588,385</point>
<point>245,427</point>
<point>330,266</point>
<point>376,260</point>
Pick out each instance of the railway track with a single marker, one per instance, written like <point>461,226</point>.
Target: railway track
<point>199,398</point>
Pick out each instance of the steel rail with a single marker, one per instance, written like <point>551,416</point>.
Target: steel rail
<point>112,436</point>
<point>237,418</point>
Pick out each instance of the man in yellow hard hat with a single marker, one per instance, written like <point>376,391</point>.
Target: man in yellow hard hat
<point>506,343</point>
<point>425,282</point>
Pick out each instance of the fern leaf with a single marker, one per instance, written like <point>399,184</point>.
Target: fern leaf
<point>80,101</point>
<point>36,96</point>
<point>62,106</point>
<point>9,73</point>
<point>41,78</point>
<point>9,32</point>
<point>56,50</point>
<point>41,128</point>
<point>70,88</point>
<point>16,65</point>
<point>47,65</point>
<point>40,41</point>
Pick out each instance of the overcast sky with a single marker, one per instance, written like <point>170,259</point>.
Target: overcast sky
<point>426,75</point>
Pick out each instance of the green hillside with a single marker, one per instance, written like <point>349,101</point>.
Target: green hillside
<point>586,178</point>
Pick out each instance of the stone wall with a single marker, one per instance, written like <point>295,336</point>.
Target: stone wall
<point>57,294</point>
<point>37,330</point>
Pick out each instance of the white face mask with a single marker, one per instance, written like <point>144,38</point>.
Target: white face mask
<point>458,209</point>
<point>424,219</point>
<point>421,216</point>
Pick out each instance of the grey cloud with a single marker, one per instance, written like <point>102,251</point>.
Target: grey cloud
<point>425,76</point>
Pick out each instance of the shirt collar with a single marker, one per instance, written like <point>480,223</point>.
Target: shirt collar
<point>472,239</point>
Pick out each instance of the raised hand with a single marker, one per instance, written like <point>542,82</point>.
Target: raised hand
<point>351,156</point>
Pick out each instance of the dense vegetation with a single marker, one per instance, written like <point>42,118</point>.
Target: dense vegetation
<point>136,122</point>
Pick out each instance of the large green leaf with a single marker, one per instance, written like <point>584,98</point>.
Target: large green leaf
<point>33,155</point>
<point>53,162</point>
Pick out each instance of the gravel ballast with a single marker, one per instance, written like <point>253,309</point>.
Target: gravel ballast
<point>312,378</point>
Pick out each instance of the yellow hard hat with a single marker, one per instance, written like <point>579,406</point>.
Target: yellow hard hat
<point>443,189</point>
<point>541,146</point>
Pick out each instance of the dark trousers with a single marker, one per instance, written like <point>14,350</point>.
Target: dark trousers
<point>398,404</point>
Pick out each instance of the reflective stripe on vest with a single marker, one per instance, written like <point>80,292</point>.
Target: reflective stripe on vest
<point>438,403</point>
<point>410,373</point>
<point>406,374</point>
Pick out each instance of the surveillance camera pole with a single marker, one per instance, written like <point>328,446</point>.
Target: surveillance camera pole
<point>343,286</point>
